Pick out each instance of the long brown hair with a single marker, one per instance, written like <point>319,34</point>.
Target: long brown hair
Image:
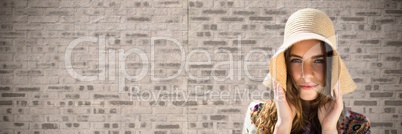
<point>268,117</point>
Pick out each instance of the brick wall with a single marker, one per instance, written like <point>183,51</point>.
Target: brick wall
<point>104,67</point>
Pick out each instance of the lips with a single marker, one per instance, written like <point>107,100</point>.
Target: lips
<point>308,86</point>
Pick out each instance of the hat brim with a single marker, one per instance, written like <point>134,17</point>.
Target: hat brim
<point>277,65</point>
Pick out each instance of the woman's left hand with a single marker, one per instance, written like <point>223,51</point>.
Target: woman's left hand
<point>329,113</point>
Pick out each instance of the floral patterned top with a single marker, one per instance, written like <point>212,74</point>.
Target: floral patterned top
<point>352,123</point>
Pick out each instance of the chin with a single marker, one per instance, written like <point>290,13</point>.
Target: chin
<point>308,96</point>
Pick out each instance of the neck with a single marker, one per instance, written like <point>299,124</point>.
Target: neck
<point>306,106</point>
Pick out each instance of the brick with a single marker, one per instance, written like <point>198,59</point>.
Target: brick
<point>46,65</point>
<point>393,103</point>
<point>13,95</point>
<point>137,110</point>
<point>16,125</point>
<point>14,4</point>
<point>218,117</point>
<point>59,88</point>
<point>393,72</point>
<point>6,57</point>
<point>197,4</point>
<point>353,19</point>
<point>6,27</point>
<point>21,103</point>
<point>369,27</point>
<point>232,19</point>
<point>274,27</point>
<point>12,34</point>
<point>381,124</point>
<point>43,34</point>
<point>384,20</point>
<point>29,26</point>
<point>58,12</point>
<point>391,58</point>
<point>44,110</point>
<point>2,89</point>
<point>365,103</point>
<point>367,13</point>
<point>210,11</point>
<point>380,94</point>
<point>6,72</point>
<point>260,3</point>
<point>28,11</point>
<point>387,50</point>
<point>244,12</point>
<point>75,125</point>
<point>71,96</point>
<point>382,80</point>
<point>171,19</point>
<point>168,110</point>
<point>29,118</point>
<point>275,12</point>
<point>11,110</point>
<point>227,4</point>
<point>215,43</point>
<point>185,103</point>
<point>393,12</point>
<point>6,102</point>
<point>245,42</point>
<point>177,4</point>
<point>43,18</point>
<point>177,118</point>
<point>121,103</point>
<point>167,126</point>
<point>200,18</point>
<point>44,79</point>
<point>106,96</point>
<point>43,3</point>
<point>259,18</point>
<point>394,43</point>
<point>74,19</point>
<point>6,42</point>
<point>7,118</point>
<point>229,111</point>
<point>90,118</point>
<point>366,57</point>
<point>50,126</point>
<point>28,89</point>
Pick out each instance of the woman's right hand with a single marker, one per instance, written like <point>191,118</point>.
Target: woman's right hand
<point>286,111</point>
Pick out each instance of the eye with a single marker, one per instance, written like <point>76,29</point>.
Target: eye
<point>295,61</point>
<point>319,61</point>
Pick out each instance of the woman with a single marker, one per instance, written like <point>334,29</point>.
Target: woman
<point>308,79</point>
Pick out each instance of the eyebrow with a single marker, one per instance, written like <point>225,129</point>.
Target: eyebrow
<point>316,56</point>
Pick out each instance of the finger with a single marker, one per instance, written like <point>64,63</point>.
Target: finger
<point>339,100</point>
<point>277,92</point>
<point>281,93</point>
<point>338,91</point>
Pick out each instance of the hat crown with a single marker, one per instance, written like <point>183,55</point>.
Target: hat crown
<point>309,21</point>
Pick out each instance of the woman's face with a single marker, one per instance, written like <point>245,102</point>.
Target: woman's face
<point>307,66</point>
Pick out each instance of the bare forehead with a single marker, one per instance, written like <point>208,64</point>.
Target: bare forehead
<point>306,46</point>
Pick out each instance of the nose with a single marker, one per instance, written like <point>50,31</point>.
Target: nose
<point>307,71</point>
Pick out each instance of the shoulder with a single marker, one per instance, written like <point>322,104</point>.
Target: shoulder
<point>255,108</point>
<point>252,112</point>
<point>355,122</point>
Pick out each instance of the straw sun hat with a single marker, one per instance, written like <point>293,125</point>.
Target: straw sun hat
<point>308,24</point>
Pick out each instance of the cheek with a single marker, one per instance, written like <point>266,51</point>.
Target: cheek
<point>320,73</point>
<point>295,73</point>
